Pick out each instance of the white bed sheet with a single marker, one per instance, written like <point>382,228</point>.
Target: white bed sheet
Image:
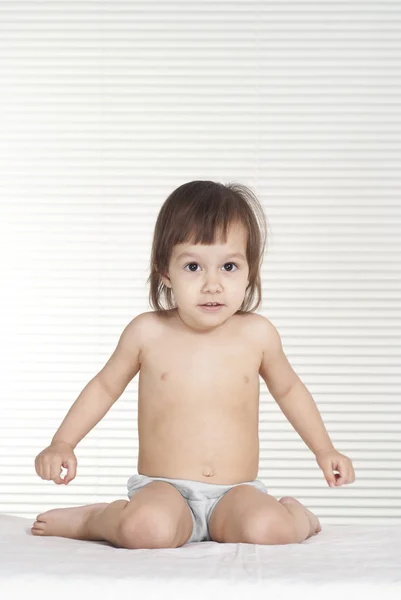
<point>342,562</point>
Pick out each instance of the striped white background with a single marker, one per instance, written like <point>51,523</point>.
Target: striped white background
<point>105,108</point>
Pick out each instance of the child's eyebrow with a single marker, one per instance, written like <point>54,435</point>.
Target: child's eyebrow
<point>231,255</point>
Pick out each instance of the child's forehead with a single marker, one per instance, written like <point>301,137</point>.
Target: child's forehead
<point>235,242</point>
<point>205,251</point>
<point>235,237</point>
<point>215,247</point>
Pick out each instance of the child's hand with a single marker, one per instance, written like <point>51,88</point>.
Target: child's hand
<point>49,462</point>
<point>330,460</point>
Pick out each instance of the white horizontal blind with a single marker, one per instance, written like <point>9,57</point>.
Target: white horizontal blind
<point>105,108</point>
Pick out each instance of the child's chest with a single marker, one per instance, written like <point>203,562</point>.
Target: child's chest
<point>177,367</point>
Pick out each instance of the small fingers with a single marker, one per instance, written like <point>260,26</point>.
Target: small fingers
<point>347,476</point>
<point>55,473</point>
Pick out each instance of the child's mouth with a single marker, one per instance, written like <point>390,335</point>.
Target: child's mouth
<point>211,308</point>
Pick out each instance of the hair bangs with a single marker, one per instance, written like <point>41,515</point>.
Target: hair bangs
<point>208,222</point>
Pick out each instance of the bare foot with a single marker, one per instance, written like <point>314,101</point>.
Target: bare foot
<point>66,522</point>
<point>315,526</point>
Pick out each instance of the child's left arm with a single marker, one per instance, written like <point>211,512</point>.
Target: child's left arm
<point>300,409</point>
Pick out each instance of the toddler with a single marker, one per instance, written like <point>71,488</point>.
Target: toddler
<point>200,356</point>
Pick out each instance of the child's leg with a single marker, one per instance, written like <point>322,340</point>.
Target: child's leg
<point>112,523</point>
<point>95,522</point>
<point>104,524</point>
<point>306,523</point>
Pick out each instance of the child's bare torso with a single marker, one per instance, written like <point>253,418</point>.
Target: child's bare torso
<point>198,401</point>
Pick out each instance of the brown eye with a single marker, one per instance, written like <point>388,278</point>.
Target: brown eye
<point>189,265</point>
<point>231,263</point>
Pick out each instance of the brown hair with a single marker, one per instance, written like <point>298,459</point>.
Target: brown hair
<point>196,212</point>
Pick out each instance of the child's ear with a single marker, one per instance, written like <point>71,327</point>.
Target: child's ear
<point>166,280</point>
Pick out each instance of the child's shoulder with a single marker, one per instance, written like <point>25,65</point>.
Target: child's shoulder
<point>262,327</point>
<point>138,326</point>
<point>143,320</point>
<point>147,321</point>
<point>259,321</point>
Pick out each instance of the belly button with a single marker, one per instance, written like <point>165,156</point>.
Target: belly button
<point>207,472</point>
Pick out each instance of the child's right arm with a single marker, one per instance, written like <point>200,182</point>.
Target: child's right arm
<point>99,395</point>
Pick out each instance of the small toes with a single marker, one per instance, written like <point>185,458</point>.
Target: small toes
<point>286,498</point>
